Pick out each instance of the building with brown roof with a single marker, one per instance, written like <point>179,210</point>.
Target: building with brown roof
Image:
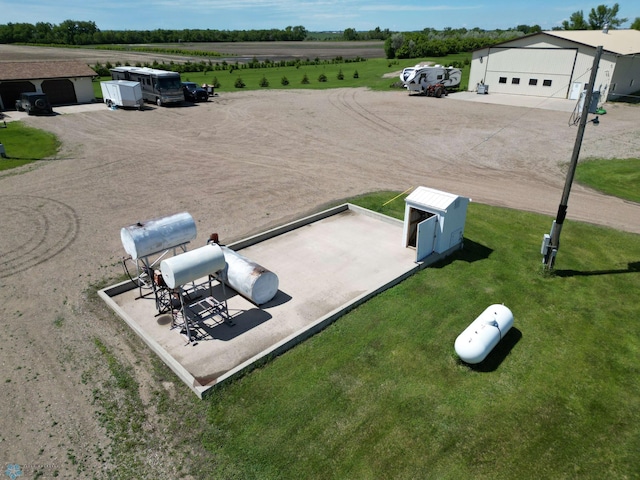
<point>64,82</point>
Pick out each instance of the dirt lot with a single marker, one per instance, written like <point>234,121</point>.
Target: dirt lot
<point>239,164</point>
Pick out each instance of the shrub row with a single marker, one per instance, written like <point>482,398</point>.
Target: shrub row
<point>210,66</point>
<point>322,78</point>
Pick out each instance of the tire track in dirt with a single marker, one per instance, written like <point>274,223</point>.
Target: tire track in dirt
<point>35,229</point>
<point>405,140</point>
<point>345,101</point>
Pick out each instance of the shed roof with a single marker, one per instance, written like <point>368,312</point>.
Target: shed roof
<point>44,70</point>
<point>431,198</point>
<point>622,42</point>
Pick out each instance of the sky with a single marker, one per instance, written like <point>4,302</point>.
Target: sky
<point>314,15</point>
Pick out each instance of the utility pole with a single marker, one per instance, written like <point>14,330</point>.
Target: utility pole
<point>551,241</point>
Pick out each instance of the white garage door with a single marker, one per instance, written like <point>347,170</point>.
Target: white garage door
<point>543,72</point>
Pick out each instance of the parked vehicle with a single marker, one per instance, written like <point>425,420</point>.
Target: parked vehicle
<point>158,86</point>
<point>33,103</point>
<point>430,80</point>
<point>122,93</point>
<point>194,92</point>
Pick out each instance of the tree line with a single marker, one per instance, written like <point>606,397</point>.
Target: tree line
<point>435,43</point>
<point>75,32</point>
<point>104,70</point>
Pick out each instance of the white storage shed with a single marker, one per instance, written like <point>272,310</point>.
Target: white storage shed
<point>434,221</point>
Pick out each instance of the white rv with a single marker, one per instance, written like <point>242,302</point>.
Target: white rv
<point>431,80</point>
<point>158,86</point>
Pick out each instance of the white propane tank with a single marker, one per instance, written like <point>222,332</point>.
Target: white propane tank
<point>249,279</point>
<point>483,334</point>
<point>158,234</point>
<point>192,265</point>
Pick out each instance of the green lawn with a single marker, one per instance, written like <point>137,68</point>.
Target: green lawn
<point>620,178</point>
<point>24,144</point>
<point>382,394</point>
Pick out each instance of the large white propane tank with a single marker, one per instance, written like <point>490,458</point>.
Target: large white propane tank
<point>153,236</point>
<point>192,265</point>
<point>249,279</point>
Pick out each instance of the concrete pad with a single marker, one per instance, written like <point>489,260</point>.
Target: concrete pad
<point>326,264</point>
<point>544,103</point>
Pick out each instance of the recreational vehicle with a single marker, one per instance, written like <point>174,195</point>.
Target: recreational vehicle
<point>430,80</point>
<point>158,86</point>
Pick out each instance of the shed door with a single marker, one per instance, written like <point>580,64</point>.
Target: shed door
<point>59,91</point>
<point>541,72</point>
<point>426,237</point>
<point>10,92</point>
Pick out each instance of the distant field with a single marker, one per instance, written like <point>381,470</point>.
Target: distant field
<point>285,50</point>
<point>228,50</point>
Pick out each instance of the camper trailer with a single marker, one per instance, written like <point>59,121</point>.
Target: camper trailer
<point>158,86</point>
<point>430,80</point>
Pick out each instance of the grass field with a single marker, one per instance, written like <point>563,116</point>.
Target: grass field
<point>382,394</point>
<point>24,144</point>
<point>620,178</point>
<point>370,74</point>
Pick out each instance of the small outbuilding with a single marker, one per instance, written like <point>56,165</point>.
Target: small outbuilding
<point>64,83</point>
<point>434,221</point>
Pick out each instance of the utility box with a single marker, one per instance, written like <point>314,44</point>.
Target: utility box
<point>595,100</point>
<point>434,221</point>
<point>483,89</point>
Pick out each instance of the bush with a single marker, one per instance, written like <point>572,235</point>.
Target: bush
<point>284,81</point>
<point>239,83</point>
<point>215,82</point>
<point>264,82</point>
<point>355,74</point>
<point>322,78</point>
<point>340,75</point>
<point>305,80</point>
<point>102,71</point>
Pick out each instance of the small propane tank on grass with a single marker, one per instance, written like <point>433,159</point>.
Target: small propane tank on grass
<point>483,334</point>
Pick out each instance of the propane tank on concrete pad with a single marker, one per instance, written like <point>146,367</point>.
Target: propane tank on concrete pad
<point>192,265</point>
<point>249,279</point>
<point>153,236</point>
